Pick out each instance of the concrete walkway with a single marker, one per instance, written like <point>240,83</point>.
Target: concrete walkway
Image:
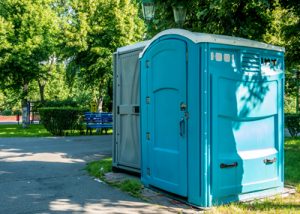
<point>45,175</point>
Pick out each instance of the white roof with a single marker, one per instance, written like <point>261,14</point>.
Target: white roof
<point>213,38</point>
<point>133,47</point>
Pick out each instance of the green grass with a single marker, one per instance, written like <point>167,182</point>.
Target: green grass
<point>133,187</point>
<point>290,204</point>
<point>99,168</point>
<point>14,130</point>
<point>292,162</point>
<point>35,130</point>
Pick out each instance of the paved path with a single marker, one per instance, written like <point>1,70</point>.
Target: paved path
<point>45,175</point>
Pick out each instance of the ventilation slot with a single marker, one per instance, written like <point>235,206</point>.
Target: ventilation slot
<point>250,62</point>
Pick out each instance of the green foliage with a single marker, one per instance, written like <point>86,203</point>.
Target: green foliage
<point>289,104</point>
<point>292,123</point>
<point>97,29</point>
<point>248,19</point>
<point>9,99</point>
<point>61,103</point>
<point>17,112</point>
<point>28,31</point>
<point>6,112</point>
<point>292,32</point>
<point>13,130</point>
<point>59,120</point>
<point>282,32</point>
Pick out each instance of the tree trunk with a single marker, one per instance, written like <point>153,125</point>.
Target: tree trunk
<point>25,110</point>
<point>42,90</point>
<point>100,104</point>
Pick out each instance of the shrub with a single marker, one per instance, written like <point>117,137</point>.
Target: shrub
<point>56,103</point>
<point>17,112</point>
<point>58,120</point>
<point>7,112</point>
<point>292,123</point>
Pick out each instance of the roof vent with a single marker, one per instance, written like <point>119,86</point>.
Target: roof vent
<point>250,62</point>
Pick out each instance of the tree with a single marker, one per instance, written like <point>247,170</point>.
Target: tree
<point>247,18</point>
<point>292,32</point>
<point>28,30</point>
<point>97,29</point>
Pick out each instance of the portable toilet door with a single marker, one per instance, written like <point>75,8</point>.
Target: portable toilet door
<point>166,106</point>
<point>212,117</point>
<point>126,107</point>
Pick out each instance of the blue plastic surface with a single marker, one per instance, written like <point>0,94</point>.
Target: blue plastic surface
<point>211,120</point>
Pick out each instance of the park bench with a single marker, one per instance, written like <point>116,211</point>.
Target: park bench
<point>98,120</point>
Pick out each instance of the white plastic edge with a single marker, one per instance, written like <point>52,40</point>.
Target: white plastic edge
<point>133,47</point>
<point>213,38</point>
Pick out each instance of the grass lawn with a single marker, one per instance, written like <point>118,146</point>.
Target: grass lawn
<point>14,130</point>
<point>290,204</point>
<point>34,130</point>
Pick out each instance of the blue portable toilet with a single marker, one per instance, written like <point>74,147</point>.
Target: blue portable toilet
<point>212,117</point>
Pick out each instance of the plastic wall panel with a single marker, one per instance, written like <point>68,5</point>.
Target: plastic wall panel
<point>127,107</point>
<point>245,125</point>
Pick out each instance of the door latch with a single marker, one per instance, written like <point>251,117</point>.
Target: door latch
<point>183,106</point>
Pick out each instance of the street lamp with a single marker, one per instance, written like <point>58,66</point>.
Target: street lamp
<point>179,14</point>
<point>148,9</point>
<point>179,11</point>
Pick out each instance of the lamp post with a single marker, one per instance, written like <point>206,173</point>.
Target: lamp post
<point>179,14</point>
<point>148,9</point>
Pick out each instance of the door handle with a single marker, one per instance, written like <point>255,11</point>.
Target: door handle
<point>266,161</point>
<point>223,165</point>
<point>182,127</point>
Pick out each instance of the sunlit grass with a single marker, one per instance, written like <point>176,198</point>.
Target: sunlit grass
<point>14,130</point>
<point>38,130</point>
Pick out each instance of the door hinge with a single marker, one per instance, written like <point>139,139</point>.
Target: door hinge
<point>147,63</point>
<point>148,100</point>
<point>148,172</point>
<point>148,135</point>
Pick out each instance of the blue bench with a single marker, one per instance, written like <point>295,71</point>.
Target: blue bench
<point>98,120</point>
